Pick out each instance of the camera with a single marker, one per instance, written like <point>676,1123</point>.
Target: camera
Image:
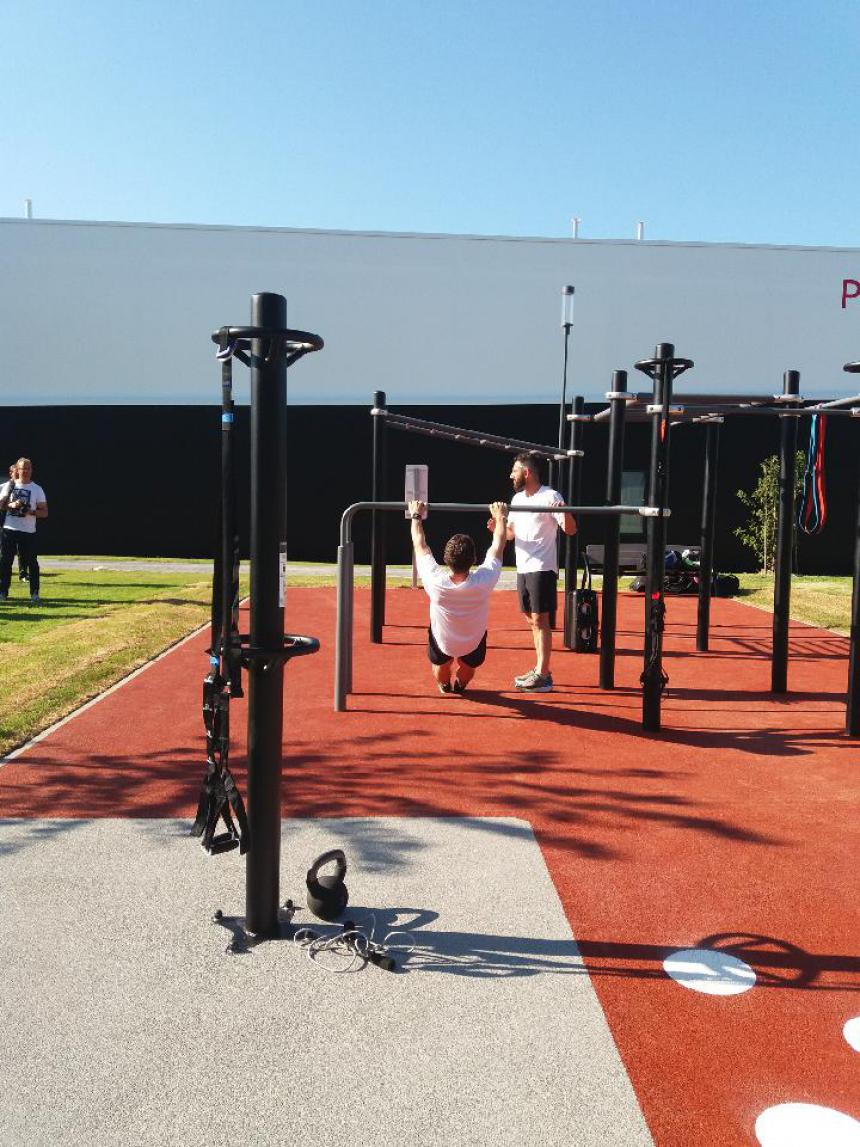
<point>20,511</point>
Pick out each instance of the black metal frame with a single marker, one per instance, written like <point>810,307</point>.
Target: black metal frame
<point>268,346</point>
<point>382,420</point>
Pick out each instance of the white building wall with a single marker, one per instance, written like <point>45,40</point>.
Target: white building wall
<point>109,313</point>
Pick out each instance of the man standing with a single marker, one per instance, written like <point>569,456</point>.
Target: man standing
<point>24,501</point>
<point>535,538</point>
<point>459,598</point>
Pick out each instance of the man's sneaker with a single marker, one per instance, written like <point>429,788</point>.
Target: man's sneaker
<point>534,683</point>
<point>524,677</point>
<point>458,686</point>
<point>444,687</point>
<point>35,599</point>
<point>24,576</point>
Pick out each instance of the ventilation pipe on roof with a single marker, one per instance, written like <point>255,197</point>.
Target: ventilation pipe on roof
<point>574,226</point>
<point>640,229</point>
<point>28,208</point>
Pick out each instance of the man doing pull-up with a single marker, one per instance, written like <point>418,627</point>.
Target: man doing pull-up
<point>459,598</point>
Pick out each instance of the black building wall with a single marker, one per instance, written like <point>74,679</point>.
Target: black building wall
<point>143,480</point>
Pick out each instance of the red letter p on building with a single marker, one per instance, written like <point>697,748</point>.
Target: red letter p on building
<point>850,290</point>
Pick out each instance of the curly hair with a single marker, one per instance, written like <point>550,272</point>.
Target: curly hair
<point>459,555</point>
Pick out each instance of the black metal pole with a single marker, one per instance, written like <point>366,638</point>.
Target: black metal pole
<point>571,543</point>
<point>706,552</point>
<point>612,536</point>
<point>265,692</point>
<point>658,483</point>
<point>784,540</point>
<point>377,528</point>
<point>566,324</point>
<point>852,711</point>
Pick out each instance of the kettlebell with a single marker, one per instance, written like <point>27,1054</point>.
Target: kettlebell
<point>327,895</point>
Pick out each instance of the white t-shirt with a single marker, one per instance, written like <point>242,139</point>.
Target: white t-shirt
<point>535,535</point>
<point>458,610</point>
<point>30,492</point>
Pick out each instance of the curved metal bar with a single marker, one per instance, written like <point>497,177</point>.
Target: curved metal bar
<point>298,338</point>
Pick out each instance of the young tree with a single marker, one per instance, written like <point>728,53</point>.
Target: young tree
<point>759,531</point>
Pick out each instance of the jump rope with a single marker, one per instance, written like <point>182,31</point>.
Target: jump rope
<point>812,513</point>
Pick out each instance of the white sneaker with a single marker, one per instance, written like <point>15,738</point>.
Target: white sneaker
<point>534,683</point>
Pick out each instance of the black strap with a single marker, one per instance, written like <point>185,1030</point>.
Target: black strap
<point>220,799</point>
<point>586,572</point>
<point>219,794</point>
<point>656,627</point>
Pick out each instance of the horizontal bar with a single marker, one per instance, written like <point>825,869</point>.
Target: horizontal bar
<point>482,507</point>
<point>854,400</point>
<point>476,437</point>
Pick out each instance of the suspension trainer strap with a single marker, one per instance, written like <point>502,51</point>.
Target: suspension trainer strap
<point>219,794</point>
<point>231,666</point>
<point>812,513</point>
<point>656,626</point>
<point>220,799</point>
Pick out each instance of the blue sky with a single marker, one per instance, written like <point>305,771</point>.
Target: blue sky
<point>709,121</point>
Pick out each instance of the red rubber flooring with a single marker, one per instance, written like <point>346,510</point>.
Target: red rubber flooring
<point>735,827</point>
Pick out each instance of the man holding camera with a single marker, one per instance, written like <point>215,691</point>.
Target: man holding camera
<point>24,501</point>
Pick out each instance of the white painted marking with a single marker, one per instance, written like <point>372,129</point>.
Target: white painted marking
<point>710,972</point>
<point>806,1125</point>
<point>851,1031</point>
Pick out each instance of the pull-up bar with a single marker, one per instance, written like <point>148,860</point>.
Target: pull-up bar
<point>383,418</point>
<point>474,437</point>
<point>346,567</point>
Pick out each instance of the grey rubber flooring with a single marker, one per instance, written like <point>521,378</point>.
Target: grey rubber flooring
<point>125,1021</point>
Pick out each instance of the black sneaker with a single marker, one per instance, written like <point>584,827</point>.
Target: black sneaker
<point>534,683</point>
<point>458,686</point>
<point>444,687</point>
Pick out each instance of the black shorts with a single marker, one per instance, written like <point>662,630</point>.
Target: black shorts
<point>473,659</point>
<point>537,592</point>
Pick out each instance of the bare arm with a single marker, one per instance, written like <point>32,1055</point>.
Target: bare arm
<point>41,510</point>
<point>491,522</point>
<point>417,530</point>
<point>499,515</point>
<point>568,523</point>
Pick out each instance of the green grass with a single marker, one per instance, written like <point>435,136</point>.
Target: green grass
<point>91,630</point>
<point>822,601</point>
<point>95,626</point>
